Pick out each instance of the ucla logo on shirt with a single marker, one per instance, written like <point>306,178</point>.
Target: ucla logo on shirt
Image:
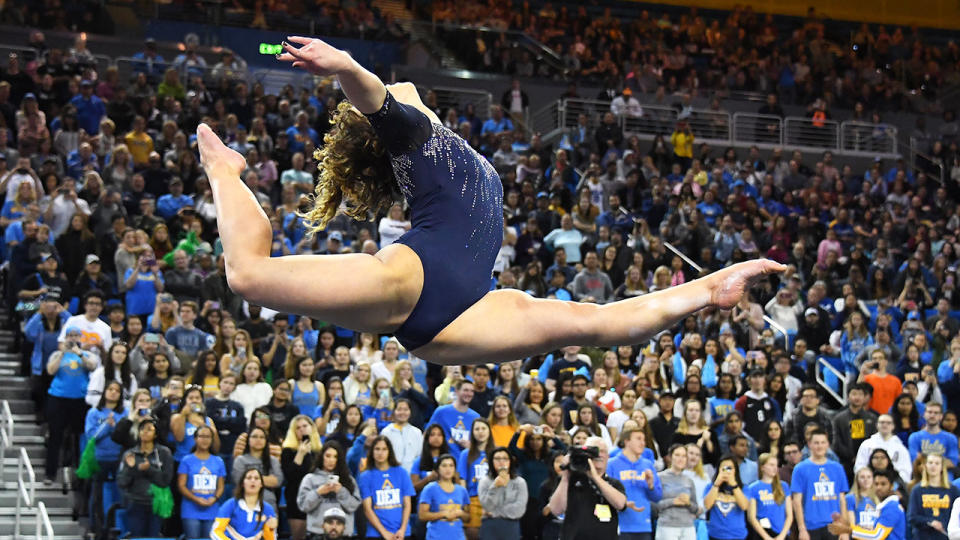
<point>935,502</point>
<point>823,489</point>
<point>932,446</point>
<point>387,496</point>
<point>204,481</point>
<point>459,432</point>
<point>725,507</point>
<point>868,516</point>
<point>766,496</point>
<point>721,411</point>
<point>479,471</point>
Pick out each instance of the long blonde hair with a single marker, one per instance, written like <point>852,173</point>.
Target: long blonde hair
<point>396,383</point>
<point>354,165</point>
<point>778,494</point>
<point>925,478</point>
<point>698,468</point>
<point>291,440</point>
<point>859,494</point>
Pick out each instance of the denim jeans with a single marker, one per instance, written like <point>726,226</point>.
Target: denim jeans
<point>142,522</point>
<point>197,528</point>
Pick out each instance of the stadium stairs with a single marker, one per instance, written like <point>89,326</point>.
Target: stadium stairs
<point>15,390</point>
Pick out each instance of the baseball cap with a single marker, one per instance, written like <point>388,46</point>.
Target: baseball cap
<point>73,330</point>
<point>52,296</point>
<point>335,513</point>
<point>627,91</point>
<point>91,258</point>
<point>29,95</point>
<point>86,82</point>
<point>543,194</point>
<point>336,235</point>
<point>810,311</point>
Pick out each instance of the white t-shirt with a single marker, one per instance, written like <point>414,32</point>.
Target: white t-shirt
<point>391,230</point>
<point>96,332</point>
<point>379,370</point>
<point>14,183</point>
<point>63,211</point>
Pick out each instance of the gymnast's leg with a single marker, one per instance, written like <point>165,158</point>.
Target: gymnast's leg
<point>509,324</point>
<point>363,292</point>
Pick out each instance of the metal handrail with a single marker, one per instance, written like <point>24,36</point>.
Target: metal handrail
<point>823,363</point>
<point>44,527</point>
<point>25,494</point>
<point>6,436</point>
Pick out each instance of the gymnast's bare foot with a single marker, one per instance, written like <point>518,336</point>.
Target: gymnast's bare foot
<point>728,285</point>
<point>215,157</point>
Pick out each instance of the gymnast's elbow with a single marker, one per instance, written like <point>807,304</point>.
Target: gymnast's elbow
<point>242,280</point>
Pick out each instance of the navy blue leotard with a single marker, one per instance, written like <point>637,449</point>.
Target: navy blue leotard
<point>456,206</point>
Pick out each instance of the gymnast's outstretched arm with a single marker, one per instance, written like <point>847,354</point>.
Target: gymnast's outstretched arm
<point>364,89</point>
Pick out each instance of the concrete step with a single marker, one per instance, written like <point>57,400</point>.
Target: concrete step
<point>21,406</point>
<point>8,498</point>
<point>60,524</point>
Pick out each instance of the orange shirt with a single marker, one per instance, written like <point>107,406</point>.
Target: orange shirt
<point>886,388</point>
<point>502,435</point>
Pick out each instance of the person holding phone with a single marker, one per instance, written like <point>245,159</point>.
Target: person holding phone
<point>301,453</point>
<point>70,368</point>
<point>444,504</point>
<point>200,480</point>
<point>329,486</point>
<point>184,424</point>
<point>725,503</point>
<point>142,284</point>
<point>125,432</point>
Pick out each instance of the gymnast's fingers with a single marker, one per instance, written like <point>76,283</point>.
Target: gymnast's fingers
<point>293,51</point>
<point>286,57</point>
<point>300,39</point>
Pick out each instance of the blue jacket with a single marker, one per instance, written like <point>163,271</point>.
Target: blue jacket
<point>99,430</point>
<point>44,342</point>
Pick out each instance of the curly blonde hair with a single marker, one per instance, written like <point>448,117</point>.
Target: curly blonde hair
<point>354,165</point>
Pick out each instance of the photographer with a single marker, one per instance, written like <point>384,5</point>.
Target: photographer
<point>589,498</point>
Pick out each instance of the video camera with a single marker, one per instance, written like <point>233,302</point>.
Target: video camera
<point>580,457</point>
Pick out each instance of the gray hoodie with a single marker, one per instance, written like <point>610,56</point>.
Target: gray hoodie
<point>508,502</point>
<point>672,515</point>
<point>134,484</point>
<point>315,505</point>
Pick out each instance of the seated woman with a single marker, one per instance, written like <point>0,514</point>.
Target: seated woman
<point>430,288</point>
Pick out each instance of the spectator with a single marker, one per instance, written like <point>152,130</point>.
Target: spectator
<point>577,498</point>
<point>257,456</point>
<point>444,505</point>
<point>141,467</point>
<point>301,455</point>
<point>252,491</point>
<point>818,488</point>
<point>90,108</point>
<point>503,495</point>
<point>387,492</point>
<point>328,490</point>
<point>200,479</point>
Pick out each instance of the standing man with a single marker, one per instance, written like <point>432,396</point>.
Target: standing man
<point>886,386</point>
<point>933,440</point>
<point>819,489</point>
<point>739,448</point>
<point>457,418</point>
<point>757,407</point>
<point>96,336</point>
<point>642,484</point>
<point>808,413</point>
<point>854,424</point>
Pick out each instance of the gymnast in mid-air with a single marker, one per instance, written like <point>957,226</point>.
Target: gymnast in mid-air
<point>431,288</point>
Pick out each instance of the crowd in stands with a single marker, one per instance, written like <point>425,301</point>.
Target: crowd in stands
<point>161,383</point>
<point>883,67</point>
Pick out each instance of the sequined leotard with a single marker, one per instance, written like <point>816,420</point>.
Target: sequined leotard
<point>456,204</point>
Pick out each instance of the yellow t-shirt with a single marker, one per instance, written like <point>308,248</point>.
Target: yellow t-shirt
<point>682,144</point>
<point>211,385</point>
<point>140,147</point>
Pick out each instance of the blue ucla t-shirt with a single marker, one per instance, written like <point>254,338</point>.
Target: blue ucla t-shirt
<point>386,490</point>
<point>767,506</point>
<point>628,473</point>
<point>821,487</point>
<point>471,473</point>
<point>456,425</point>
<point>202,476</point>
<point>71,379</point>
<point>245,521</point>
<point>440,500</point>
<point>719,408</point>
<point>942,443</point>
<point>864,512</point>
<point>725,520</point>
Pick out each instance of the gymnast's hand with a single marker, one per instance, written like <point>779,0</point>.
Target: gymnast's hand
<point>315,56</point>
<point>727,286</point>
<point>214,155</point>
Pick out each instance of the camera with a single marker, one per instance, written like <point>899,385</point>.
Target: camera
<point>538,430</point>
<point>305,438</point>
<point>22,170</point>
<point>580,457</point>
<point>196,408</point>
<point>144,412</point>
